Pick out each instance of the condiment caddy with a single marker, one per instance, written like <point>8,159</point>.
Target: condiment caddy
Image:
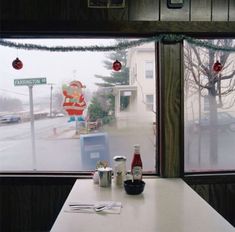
<point>103,173</point>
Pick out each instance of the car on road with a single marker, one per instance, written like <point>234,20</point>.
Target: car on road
<point>10,119</point>
<point>225,121</point>
<point>60,115</point>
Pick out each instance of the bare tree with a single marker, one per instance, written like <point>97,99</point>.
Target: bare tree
<point>215,85</point>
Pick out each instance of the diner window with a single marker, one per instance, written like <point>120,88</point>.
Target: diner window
<point>60,111</point>
<point>149,70</point>
<point>209,107</point>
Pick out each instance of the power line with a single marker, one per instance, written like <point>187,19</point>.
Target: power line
<point>6,90</point>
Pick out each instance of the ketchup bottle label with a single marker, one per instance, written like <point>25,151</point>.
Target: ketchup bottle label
<point>137,173</point>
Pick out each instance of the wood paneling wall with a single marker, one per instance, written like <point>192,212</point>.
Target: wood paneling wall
<point>31,203</point>
<point>141,10</point>
<point>201,10</point>
<point>220,10</point>
<point>181,14</point>
<point>231,12</point>
<point>218,191</point>
<point>58,10</point>
<point>142,17</point>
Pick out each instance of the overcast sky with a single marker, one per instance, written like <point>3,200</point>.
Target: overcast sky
<point>58,67</point>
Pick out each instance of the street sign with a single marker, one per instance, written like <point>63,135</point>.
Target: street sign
<point>30,81</point>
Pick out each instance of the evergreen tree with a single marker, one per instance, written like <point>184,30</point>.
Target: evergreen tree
<point>95,110</point>
<point>101,106</point>
<point>115,78</point>
<point>102,103</point>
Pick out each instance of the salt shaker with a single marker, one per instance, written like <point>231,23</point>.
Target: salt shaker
<point>119,169</point>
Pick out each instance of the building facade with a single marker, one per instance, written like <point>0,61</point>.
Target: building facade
<point>135,103</point>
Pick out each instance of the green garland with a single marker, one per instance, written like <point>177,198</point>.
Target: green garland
<point>172,38</point>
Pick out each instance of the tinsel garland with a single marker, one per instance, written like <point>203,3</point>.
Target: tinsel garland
<point>119,46</point>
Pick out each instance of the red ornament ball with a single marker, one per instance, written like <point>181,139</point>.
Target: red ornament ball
<point>217,67</point>
<point>17,64</point>
<point>117,65</point>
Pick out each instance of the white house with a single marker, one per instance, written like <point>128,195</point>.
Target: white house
<point>139,96</point>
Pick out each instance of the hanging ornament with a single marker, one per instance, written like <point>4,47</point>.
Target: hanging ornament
<point>117,66</point>
<point>17,64</point>
<point>217,67</point>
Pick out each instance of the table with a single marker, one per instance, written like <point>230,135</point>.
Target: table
<point>166,205</point>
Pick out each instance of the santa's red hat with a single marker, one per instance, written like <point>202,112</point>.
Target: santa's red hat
<point>77,83</point>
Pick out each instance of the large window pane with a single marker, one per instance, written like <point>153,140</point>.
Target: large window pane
<point>86,111</point>
<point>209,107</point>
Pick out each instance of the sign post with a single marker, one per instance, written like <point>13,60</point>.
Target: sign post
<point>30,83</point>
<point>32,126</point>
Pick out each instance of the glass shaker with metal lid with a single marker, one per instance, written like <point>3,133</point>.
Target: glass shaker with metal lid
<point>119,169</point>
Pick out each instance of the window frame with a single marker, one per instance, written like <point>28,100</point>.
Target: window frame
<point>80,174</point>
<point>201,174</point>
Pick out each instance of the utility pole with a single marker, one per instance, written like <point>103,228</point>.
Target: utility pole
<point>51,89</point>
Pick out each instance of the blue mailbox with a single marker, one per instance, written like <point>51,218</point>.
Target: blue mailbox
<point>94,147</point>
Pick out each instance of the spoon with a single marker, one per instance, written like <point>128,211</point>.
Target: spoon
<point>103,207</point>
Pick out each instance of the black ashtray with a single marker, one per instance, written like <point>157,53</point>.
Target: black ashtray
<point>134,187</point>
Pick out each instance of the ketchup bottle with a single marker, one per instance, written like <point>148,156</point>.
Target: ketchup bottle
<point>136,165</point>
